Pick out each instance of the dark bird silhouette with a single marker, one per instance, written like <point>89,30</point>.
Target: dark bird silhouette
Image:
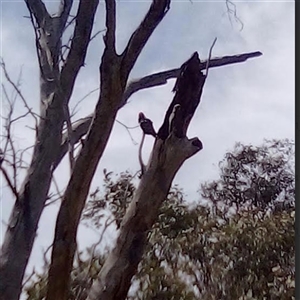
<point>146,125</point>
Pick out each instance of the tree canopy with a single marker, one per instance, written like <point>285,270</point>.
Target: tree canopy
<point>229,244</point>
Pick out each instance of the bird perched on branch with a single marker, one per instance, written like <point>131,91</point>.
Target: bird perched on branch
<point>146,125</point>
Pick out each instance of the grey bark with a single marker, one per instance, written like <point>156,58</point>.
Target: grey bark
<point>55,90</point>
<point>162,78</point>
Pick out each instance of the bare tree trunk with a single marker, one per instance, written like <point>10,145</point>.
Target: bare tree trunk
<point>55,89</point>
<point>114,71</point>
<point>171,149</point>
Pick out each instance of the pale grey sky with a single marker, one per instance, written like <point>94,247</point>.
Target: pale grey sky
<point>243,102</point>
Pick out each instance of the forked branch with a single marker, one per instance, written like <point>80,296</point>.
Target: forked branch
<point>141,35</point>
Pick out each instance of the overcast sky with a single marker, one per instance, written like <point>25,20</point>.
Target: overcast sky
<point>244,102</point>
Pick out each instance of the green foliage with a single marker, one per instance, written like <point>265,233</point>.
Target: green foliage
<point>207,251</point>
<point>261,176</point>
<point>117,195</point>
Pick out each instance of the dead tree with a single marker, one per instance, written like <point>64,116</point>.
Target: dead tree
<point>171,149</point>
<point>57,79</point>
<point>114,71</point>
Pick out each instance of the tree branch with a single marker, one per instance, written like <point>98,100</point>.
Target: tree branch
<point>209,56</point>
<point>81,127</point>
<point>161,78</point>
<point>139,38</point>
<point>109,37</point>
<point>128,130</point>
<point>143,167</point>
<point>9,182</point>
<point>18,91</point>
<point>76,56</point>
<point>38,8</point>
<point>167,157</point>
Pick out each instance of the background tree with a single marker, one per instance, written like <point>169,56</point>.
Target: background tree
<point>200,250</point>
<point>261,176</point>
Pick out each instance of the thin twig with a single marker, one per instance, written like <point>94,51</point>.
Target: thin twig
<point>20,117</point>
<point>10,184</point>
<point>9,142</point>
<point>52,201</point>
<point>95,35</point>
<point>18,91</point>
<point>60,196</point>
<point>28,278</point>
<point>83,98</point>
<point>127,128</point>
<point>22,153</point>
<point>73,18</point>
<point>65,48</point>
<point>45,253</point>
<point>209,56</point>
<point>233,12</point>
<point>18,85</point>
<point>56,187</point>
<point>107,223</point>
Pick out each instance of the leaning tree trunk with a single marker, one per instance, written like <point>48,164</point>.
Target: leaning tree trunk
<point>171,149</point>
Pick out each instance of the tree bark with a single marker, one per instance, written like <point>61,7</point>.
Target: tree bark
<point>167,157</point>
<point>55,91</point>
<point>56,87</point>
<point>114,72</point>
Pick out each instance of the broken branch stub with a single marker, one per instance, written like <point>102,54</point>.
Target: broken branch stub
<point>188,89</point>
<point>172,147</point>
